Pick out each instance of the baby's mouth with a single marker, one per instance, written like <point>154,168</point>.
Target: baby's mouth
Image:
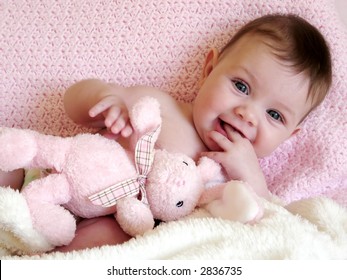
<point>225,126</point>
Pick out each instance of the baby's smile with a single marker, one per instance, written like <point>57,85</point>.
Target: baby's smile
<point>225,127</point>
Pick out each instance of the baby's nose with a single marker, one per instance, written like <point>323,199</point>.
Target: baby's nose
<point>246,114</point>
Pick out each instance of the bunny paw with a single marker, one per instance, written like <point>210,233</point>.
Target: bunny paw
<point>238,203</point>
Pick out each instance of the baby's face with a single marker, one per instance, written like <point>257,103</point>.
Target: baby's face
<point>251,91</point>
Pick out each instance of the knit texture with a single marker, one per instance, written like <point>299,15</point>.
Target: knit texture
<point>45,46</point>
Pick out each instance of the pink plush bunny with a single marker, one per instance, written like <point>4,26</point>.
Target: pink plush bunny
<point>94,176</point>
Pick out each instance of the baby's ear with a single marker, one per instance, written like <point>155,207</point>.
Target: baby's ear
<point>210,62</point>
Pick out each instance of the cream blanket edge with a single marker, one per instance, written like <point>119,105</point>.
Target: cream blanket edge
<point>313,228</point>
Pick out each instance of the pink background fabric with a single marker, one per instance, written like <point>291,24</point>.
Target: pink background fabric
<point>45,46</point>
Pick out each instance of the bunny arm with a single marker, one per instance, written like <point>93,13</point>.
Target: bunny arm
<point>235,201</point>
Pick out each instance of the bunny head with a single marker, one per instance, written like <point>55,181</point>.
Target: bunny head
<point>176,183</point>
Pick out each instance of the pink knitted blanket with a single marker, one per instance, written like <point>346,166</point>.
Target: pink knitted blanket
<point>47,45</point>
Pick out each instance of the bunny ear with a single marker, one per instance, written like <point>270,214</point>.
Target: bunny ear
<point>144,151</point>
<point>145,115</point>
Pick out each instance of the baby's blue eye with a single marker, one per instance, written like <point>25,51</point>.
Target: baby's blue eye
<point>275,115</point>
<point>241,87</point>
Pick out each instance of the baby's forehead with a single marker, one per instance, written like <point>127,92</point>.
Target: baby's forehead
<point>251,38</point>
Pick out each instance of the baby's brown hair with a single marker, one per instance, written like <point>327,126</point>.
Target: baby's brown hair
<point>295,41</point>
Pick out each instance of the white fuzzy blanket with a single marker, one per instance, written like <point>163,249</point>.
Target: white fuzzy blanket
<point>47,45</point>
<point>309,229</point>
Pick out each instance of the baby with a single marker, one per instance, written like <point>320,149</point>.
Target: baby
<point>253,95</point>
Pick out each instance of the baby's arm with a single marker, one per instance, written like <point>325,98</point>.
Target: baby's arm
<point>95,103</point>
<point>13,179</point>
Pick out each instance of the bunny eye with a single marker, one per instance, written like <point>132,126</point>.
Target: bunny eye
<point>180,203</point>
<point>185,163</point>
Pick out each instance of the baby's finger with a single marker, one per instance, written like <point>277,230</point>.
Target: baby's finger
<point>232,134</point>
<point>127,130</point>
<point>100,107</point>
<point>110,135</point>
<point>223,142</point>
<point>216,156</point>
<point>117,126</point>
<point>121,122</point>
<point>112,115</point>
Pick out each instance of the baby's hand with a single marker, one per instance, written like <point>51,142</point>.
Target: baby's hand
<point>239,160</point>
<point>237,155</point>
<point>115,113</point>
